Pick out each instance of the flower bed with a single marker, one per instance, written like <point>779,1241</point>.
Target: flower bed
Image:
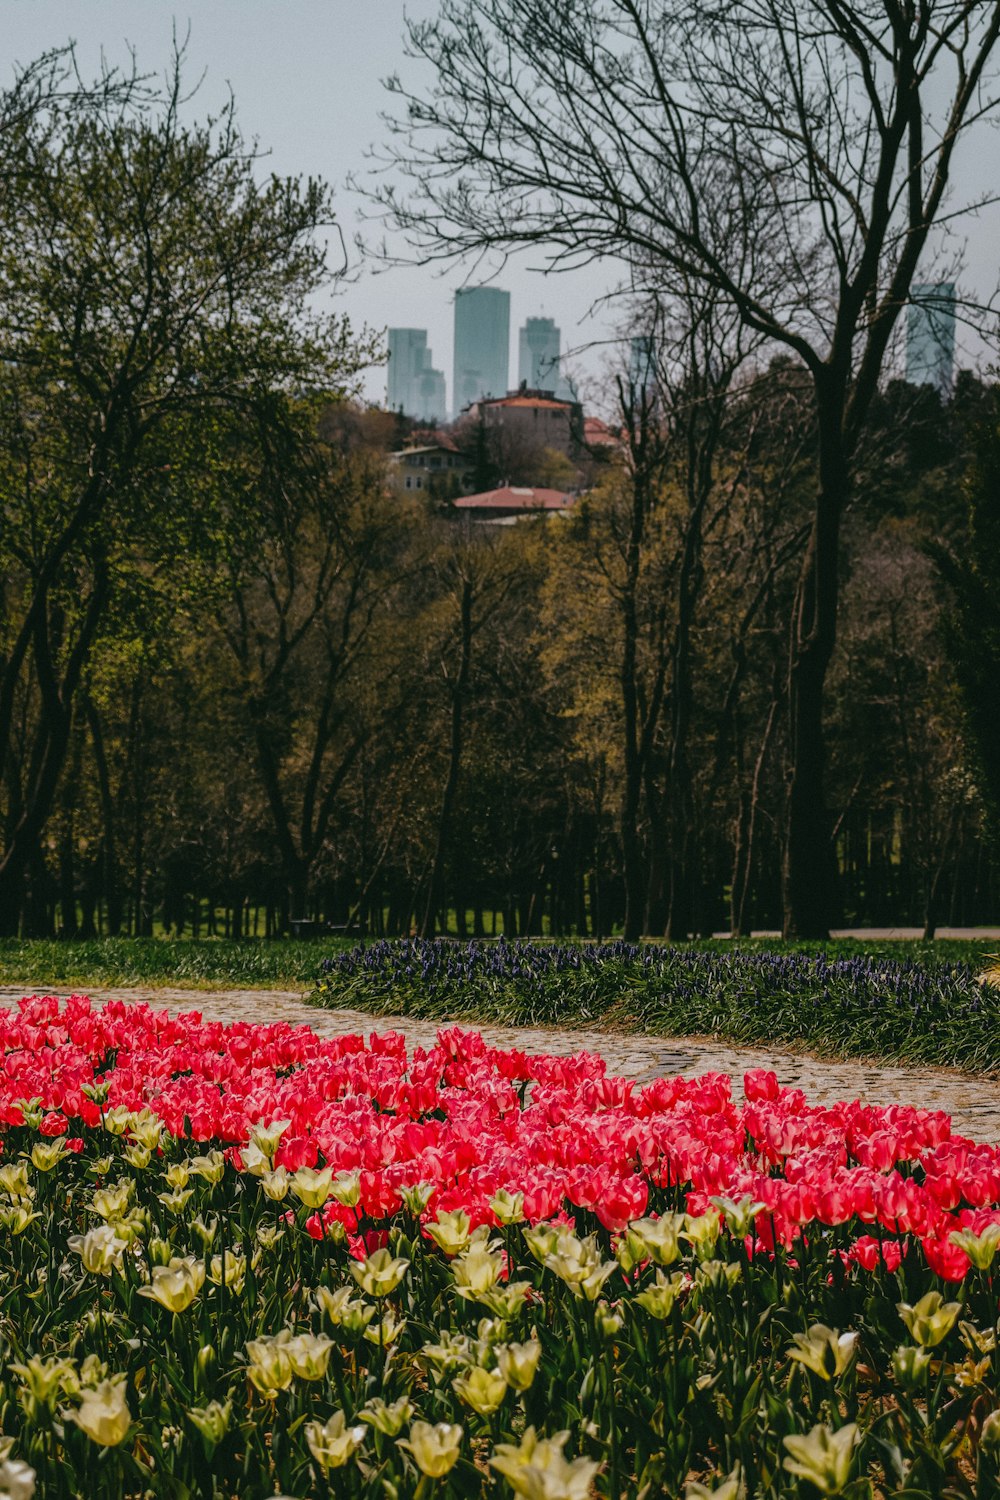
<point>847,1003</point>
<point>245,1261</point>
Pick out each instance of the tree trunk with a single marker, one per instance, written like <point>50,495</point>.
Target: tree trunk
<point>458,692</point>
<point>806,873</point>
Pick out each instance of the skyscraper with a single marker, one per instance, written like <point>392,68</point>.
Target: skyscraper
<point>642,362</point>
<point>930,336</point>
<point>538,362</point>
<point>415,387</point>
<point>482,344</point>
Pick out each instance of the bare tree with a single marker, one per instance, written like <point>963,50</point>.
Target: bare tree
<point>792,156</point>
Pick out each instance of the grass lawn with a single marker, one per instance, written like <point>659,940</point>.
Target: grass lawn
<point>214,963</point>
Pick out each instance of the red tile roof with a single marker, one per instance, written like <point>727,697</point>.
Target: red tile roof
<point>597,433</point>
<point>526,401</point>
<point>515,497</point>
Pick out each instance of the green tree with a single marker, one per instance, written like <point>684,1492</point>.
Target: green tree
<point>147,275</point>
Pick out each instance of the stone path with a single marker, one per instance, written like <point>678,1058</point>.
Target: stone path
<point>973,1103</point>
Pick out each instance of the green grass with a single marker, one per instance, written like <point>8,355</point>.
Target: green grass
<point>219,963</point>
<point>155,963</point>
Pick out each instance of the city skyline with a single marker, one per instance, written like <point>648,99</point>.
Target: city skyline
<point>332,62</point>
<point>413,386</point>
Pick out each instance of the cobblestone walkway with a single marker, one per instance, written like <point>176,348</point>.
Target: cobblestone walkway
<point>973,1103</point>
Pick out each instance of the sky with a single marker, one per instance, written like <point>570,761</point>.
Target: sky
<point>306,76</point>
<point>307,79</point>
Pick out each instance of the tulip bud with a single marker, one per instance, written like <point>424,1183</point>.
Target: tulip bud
<point>824,1351</point>
<point>270,1369</point>
<point>930,1320</point>
<point>103,1414</point>
<point>48,1154</point>
<point>702,1233</point>
<point>267,1137</point>
<point>205,1232</point>
<point>607,1320</point>
<point>99,1250</point>
<point>508,1207</point>
<point>31,1112</point>
<point>17,1480</point>
<point>379,1274</point>
<point>116,1121</point>
<point>346,1188</point>
<point>989,1435</point>
<point>718,1273</point>
<point>822,1456</point>
<point>312,1188</point>
<point>909,1365</point>
<point>333,1443</point>
<point>309,1355</point>
<point>518,1363</point>
<point>356,1316</point>
<point>229,1270</point>
<point>416,1197</point>
<point>275,1184</point>
<point>659,1299</point>
<point>481,1390</point>
<point>388,1419</point>
<point>739,1215</point>
<point>477,1270</point>
<point>212,1421</point>
<point>435,1449</point>
<point>980,1248</point>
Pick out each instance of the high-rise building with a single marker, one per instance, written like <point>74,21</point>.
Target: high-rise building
<point>642,363</point>
<point>538,361</point>
<point>930,336</point>
<point>414,386</point>
<point>482,344</point>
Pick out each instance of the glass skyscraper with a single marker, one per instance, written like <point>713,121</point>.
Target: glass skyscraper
<point>414,386</point>
<point>538,363</point>
<point>930,336</point>
<point>482,344</point>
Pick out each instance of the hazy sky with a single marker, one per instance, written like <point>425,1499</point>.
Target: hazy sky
<point>306,75</point>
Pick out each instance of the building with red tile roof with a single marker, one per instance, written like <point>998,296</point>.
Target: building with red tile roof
<point>511,502</point>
